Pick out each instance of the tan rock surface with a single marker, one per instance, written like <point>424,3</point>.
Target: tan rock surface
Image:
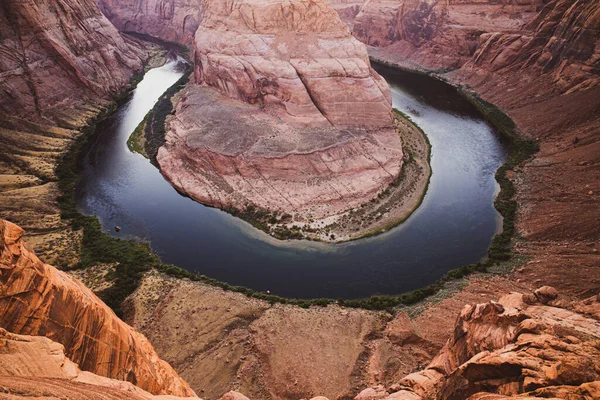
<point>166,19</point>
<point>45,368</point>
<point>221,341</point>
<point>295,57</point>
<point>311,172</point>
<point>37,299</point>
<point>511,348</point>
<point>437,34</point>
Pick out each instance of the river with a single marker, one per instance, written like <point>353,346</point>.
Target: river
<point>453,226</point>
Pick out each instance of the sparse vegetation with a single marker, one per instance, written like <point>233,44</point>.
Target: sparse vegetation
<point>132,258</point>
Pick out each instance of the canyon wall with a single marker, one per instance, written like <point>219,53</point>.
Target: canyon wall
<point>61,63</point>
<point>59,59</point>
<point>173,20</point>
<point>437,34</point>
<point>563,40</point>
<point>37,299</point>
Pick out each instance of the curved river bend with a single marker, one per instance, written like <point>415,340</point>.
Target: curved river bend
<point>453,226</point>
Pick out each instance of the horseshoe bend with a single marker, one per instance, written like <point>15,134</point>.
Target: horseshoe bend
<point>462,135</point>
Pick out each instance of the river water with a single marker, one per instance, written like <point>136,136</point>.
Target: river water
<point>454,225</point>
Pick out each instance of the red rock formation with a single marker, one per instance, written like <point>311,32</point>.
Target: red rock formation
<point>295,57</point>
<point>563,39</point>
<point>511,348</point>
<point>59,59</point>
<point>174,20</point>
<point>307,172</point>
<point>437,34</point>
<point>37,299</point>
<point>30,364</point>
<point>319,139</point>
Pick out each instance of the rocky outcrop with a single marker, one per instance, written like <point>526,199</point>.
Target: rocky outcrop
<point>295,58</point>
<point>35,366</point>
<point>437,34</point>
<point>517,346</point>
<point>173,20</point>
<point>60,59</point>
<point>562,40</point>
<point>305,172</point>
<point>37,299</point>
<point>313,131</point>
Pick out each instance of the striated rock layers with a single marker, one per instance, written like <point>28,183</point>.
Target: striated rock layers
<point>563,40</point>
<point>174,20</point>
<point>37,299</point>
<point>60,59</point>
<point>317,138</point>
<point>524,345</point>
<point>35,366</point>
<point>437,34</point>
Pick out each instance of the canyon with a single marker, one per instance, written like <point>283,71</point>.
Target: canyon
<point>520,337</point>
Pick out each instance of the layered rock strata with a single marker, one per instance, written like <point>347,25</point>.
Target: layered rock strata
<point>173,20</point>
<point>563,40</point>
<point>437,34</point>
<point>35,366</point>
<point>37,299</point>
<point>230,154</point>
<point>60,65</point>
<point>317,138</point>
<point>524,345</point>
<point>57,60</point>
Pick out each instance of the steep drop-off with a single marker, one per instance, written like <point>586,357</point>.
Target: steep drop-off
<point>317,137</point>
<point>437,34</point>
<point>37,299</point>
<point>60,65</point>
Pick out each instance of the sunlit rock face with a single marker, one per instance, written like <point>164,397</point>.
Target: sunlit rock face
<point>60,59</point>
<point>37,299</point>
<point>295,57</point>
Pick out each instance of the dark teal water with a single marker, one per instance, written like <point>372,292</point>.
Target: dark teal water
<point>453,227</point>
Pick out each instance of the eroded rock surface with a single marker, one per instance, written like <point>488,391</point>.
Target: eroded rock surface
<point>166,19</point>
<point>35,366</point>
<point>513,348</point>
<point>228,154</point>
<point>37,299</point>
<point>295,57</point>
<point>58,60</point>
<point>437,34</point>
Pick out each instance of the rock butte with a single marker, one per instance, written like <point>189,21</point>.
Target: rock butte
<point>318,139</point>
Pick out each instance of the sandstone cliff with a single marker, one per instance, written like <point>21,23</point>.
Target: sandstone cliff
<point>60,64</point>
<point>35,366</point>
<point>563,40</point>
<point>296,57</point>
<point>173,20</point>
<point>316,139</point>
<point>58,59</point>
<point>37,299</point>
<point>437,34</point>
